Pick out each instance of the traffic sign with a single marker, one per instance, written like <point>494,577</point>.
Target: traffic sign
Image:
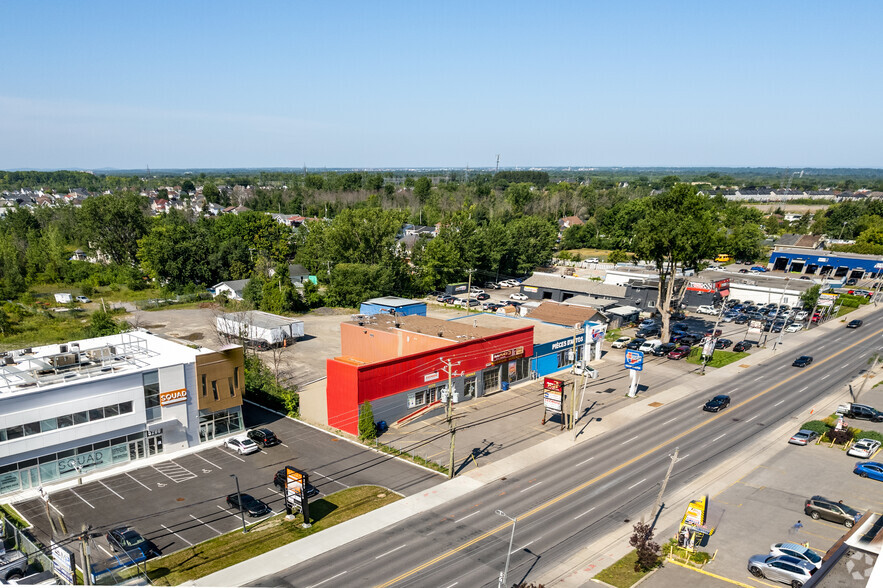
<point>634,360</point>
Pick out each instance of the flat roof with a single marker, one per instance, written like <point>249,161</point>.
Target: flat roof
<point>54,366</point>
<point>261,319</point>
<point>454,331</point>
<point>393,301</point>
<point>762,280</point>
<point>826,253</point>
<point>542,332</point>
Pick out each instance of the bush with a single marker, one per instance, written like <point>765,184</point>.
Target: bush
<point>860,434</point>
<point>648,551</point>
<point>367,430</point>
<point>840,437</point>
<point>818,426</point>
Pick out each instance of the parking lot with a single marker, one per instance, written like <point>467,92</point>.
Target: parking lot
<point>180,502</point>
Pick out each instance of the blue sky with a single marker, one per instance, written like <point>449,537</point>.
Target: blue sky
<point>408,84</point>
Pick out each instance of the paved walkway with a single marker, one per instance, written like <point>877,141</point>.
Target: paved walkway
<point>579,569</point>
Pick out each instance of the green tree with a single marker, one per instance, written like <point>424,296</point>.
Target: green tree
<point>679,230</point>
<point>187,186</point>
<point>367,431</point>
<point>745,242</point>
<point>113,225</point>
<point>211,193</point>
<point>617,256</point>
<point>533,240</point>
<point>518,196</point>
<point>101,323</point>
<point>422,188</point>
<point>177,254</point>
<point>810,296</point>
<point>353,283</point>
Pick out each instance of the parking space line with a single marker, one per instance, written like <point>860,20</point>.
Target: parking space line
<point>101,547</point>
<point>707,573</point>
<point>206,524</point>
<point>231,455</point>
<point>83,499</point>
<point>284,445</point>
<point>142,483</point>
<point>111,489</point>
<point>391,551</point>
<point>176,535</point>
<point>207,461</point>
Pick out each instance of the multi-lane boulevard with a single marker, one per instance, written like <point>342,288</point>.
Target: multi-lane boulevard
<point>566,503</point>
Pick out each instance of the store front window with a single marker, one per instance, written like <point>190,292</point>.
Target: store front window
<point>219,423</point>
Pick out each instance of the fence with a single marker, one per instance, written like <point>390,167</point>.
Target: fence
<point>23,542</point>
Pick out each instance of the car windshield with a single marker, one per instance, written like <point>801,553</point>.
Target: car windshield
<point>130,538</point>
<point>249,501</point>
<point>801,435</point>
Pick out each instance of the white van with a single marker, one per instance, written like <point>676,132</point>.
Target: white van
<point>650,346</point>
<point>706,309</point>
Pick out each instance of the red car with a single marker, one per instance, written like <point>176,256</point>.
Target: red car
<point>679,353</point>
<point>816,317</point>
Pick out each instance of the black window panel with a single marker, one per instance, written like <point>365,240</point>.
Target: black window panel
<point>101,445</point>
<point>29,463</point>
<point>96,414</point>
<point>84,449</point>
<point>48,458</point>
<point>8,468</point>
<point>81,417</point>
<point>118,440</point>
<point>15,432</point>
<point>125,407</point>
<point>3,435</point>
<point>32,428</point>
<point>67,453</point>
<point>111,411</point>
<point>65,421</point>
<point>135,436</point>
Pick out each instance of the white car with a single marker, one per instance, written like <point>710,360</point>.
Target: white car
<point>801,315</point>
<point>83,299</point>
<point>864,448</point>
<point>650,346</point>
<point>518,296</point>
<point>593,260</point>
<point>793,328</point>
<point>621,342</point>
<point>475,290</point>
<point>798,551</point>
<point>706,309</point>
<point>241,445</point>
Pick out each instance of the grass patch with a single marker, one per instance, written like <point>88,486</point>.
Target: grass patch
<point>720,359</point>
<point>12,516</point>
<point>697,558</point>
<point>235,547</point>
<point>613,334</point>
<point>845,310</point>
<point>622,573</point>
<point>33,328</point>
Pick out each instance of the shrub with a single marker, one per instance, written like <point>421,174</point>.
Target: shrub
<point>367,430</point>
<point>840,437</point>
<point>860,434</point>
<point>648,551</point>
<point>818,426</point>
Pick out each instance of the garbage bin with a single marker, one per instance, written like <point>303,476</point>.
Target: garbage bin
<point>504,385</point>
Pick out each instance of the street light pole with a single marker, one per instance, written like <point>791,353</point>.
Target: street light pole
<point>504,574</point>
<point>239,500</point>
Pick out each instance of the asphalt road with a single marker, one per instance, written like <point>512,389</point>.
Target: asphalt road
<point>181,501</point>
<point>595,488</point>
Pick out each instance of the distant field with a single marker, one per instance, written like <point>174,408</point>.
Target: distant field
<point>584,253</point>
<point>772,206</point>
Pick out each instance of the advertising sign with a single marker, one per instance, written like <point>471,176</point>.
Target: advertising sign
<point>296,483</point>
<point>553,392</point>
<point>63,563</point>
<point>532,289</point>
<point>634,360</point>
<point>708,347</point>
<point>173,397</point>
<point>827,299</point>
<point>508,354</point>
<point>431,377</point>
<point>553,385</point>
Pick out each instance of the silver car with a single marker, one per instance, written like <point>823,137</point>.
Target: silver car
<point>797,551</point>
<point>864,448</point>
<point>782,568</point>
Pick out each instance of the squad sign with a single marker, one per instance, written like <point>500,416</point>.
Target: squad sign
<point>173,397</point>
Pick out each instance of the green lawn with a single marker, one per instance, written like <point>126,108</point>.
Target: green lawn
<point>721,357</point>
<point>235,547</point>
<point>622,574</point>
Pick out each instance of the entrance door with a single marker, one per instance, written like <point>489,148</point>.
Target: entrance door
<point>154,445</point>
<point>136,449</point>
<point>30,478</point>
<point>206,432</point>
<point>469,387</point>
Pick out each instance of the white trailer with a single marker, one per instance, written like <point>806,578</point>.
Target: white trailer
<point>63,298</point>
<point>259,329</point>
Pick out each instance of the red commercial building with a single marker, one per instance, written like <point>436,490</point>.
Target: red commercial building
<point>399,365</point>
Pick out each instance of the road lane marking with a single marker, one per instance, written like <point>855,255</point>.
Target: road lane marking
<point>467,516</point>
<point>682,458</point>
<point>826,377</point>
<point>584,461</point>
<point>759,379</point>
<point>142,483</point>
<point>331,578</point>
<point>636,483</point>
<point>529,487</point>
<point>779,402</point>
<point>208,462</point>
<point>567,494</point>
<point>390,551</point>
<point>206,524</point>
<point>109,488</point>
<point>804,389</point>
<point>176,535</point>
<point>520,548</point>
<point>752,418</point>
<point>452,585</point>
<point>630,440</point>
<point>81,498</point>
<point>718,437</point>
<point>822,346</point>
<point>585,513</point>
<point>330,478</point>
<point>670,420</point>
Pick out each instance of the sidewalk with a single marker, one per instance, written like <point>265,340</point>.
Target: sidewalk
<point>579,569</point>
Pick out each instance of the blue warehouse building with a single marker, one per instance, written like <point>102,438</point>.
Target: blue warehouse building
<point>830,264</point>
<point>393,305</point>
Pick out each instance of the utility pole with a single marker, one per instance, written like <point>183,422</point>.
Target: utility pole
<point>469,291</point>
<point>87,563</point>
<point>713,331</point>
<point>674,458</point>
<point>449,367</point>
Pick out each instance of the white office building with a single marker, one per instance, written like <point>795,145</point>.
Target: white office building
<point>70,409</point>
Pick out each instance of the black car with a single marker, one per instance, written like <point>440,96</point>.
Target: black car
<point>742,346</point>
<point>664,349</point>
<point>741,319</point>
<point>854,324</point>
<point>491,285</point>
<point>851,282</point>
<point>680,327</point>
<point>678,316</point>
<point>802,361</point>
<point>690,339</point>
<point>718,403</point>
<point>279,482</point>
<point>127,539</point>
<point>264,437</point>
<point>777,327</point>
<point>250,504</point>
<point>482,296</point>
<point>722,343</point>
<point>635,343</point>
<point>646,332</point>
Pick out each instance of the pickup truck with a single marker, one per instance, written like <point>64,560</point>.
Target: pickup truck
<point>860,411</point>
<point>13,565</point>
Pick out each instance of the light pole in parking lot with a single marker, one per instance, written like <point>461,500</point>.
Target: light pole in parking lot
<point>505,571</point>
<point>239,500</point>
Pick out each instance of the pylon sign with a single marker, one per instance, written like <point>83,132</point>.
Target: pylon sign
<point>634,360</point>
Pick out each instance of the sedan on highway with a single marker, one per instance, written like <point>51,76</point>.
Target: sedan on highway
<point>802,361</point>
<point>250,504</point>
<point>869,469</point>
<point>679,353</point>
<point>717,404</point>
<point>782,568</point>
<point>742,346</point>
<point>621,342</point>
<point>803,437</point>
<point>854,324</point>
<point>864,448</point>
